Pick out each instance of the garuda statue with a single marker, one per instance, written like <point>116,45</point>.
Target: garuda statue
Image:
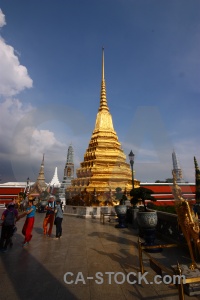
<point>187,221</point>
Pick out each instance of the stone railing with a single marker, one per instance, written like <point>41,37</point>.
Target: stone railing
<point>168,229</point>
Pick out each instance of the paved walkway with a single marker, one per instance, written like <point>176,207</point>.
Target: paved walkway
<point>87,246</point>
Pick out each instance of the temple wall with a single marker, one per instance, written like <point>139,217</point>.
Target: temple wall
<point>87,211</point>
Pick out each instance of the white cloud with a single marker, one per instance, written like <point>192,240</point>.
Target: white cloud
<point>43,140</point>
<point>14,77</point>
<point>11,112</point>
<point>23,144</point>
<point>2,19</point>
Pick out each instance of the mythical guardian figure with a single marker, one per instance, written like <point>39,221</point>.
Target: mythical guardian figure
<point>187,220</point>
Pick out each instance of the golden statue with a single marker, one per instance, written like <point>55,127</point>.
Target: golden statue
<point>187,221</point>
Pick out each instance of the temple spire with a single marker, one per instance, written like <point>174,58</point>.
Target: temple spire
<point>68,173</point>
<point>176,167</point>
<point>41,177</point>
<point>103,100</point>
<point>40,184</point>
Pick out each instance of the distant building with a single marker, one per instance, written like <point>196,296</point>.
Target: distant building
<point>68,173</point>
<point>11,190</point>
<point>177,168</point>
<point>162,192</point>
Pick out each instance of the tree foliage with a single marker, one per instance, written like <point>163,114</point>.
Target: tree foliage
<point>141,194</point>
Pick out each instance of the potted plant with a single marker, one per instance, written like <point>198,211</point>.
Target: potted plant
<point>121,209</point>
<point>146,219</point>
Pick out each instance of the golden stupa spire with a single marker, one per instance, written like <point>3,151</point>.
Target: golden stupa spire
<point>104,167</point>
<point>104,118</point>
<point>103,100</point>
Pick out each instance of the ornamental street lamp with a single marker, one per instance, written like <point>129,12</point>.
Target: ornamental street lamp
<point>27,181</point>
<point>27,186</point>
<point>131,159</point>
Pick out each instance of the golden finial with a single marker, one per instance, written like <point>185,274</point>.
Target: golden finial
<point>103,64</point>
<point>103,100</point>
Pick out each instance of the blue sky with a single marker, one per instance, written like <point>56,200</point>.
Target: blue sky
<point>50,77</point>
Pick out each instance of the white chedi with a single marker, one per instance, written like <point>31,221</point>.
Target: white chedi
<point>55,181</point>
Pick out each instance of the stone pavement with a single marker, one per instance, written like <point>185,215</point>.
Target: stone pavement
<point>37,270</point>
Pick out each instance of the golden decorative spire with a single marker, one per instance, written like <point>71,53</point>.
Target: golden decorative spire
<point>103,100</point>
<point>104,119</point>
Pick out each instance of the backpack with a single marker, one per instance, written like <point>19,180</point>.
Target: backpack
<point>9,219</point>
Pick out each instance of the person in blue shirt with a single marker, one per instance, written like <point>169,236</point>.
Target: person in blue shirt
<point>28,225</point>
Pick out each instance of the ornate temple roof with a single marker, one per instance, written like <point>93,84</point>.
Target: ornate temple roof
<point>104,167</point>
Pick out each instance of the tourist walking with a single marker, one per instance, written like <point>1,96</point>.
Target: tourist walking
<point>49,217</point>
<point>9,217</point>
<point>28,225</point>
<point>58,219</point>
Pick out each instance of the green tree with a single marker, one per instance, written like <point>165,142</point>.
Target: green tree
<point>22,195</point>
<point>141,194</point>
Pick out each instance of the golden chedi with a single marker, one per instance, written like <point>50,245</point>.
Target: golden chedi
<point>104,167</point>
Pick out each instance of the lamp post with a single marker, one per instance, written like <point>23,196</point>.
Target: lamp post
<point>131,159</point>
<point>27,186</point>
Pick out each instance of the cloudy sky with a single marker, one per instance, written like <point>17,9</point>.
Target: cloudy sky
<point>50,77</point>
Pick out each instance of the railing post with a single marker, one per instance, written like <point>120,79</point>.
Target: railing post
<point>140,256</point>
<point>180,285</point>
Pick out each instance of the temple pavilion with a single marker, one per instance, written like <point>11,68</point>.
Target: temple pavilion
<point>104,167</point>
